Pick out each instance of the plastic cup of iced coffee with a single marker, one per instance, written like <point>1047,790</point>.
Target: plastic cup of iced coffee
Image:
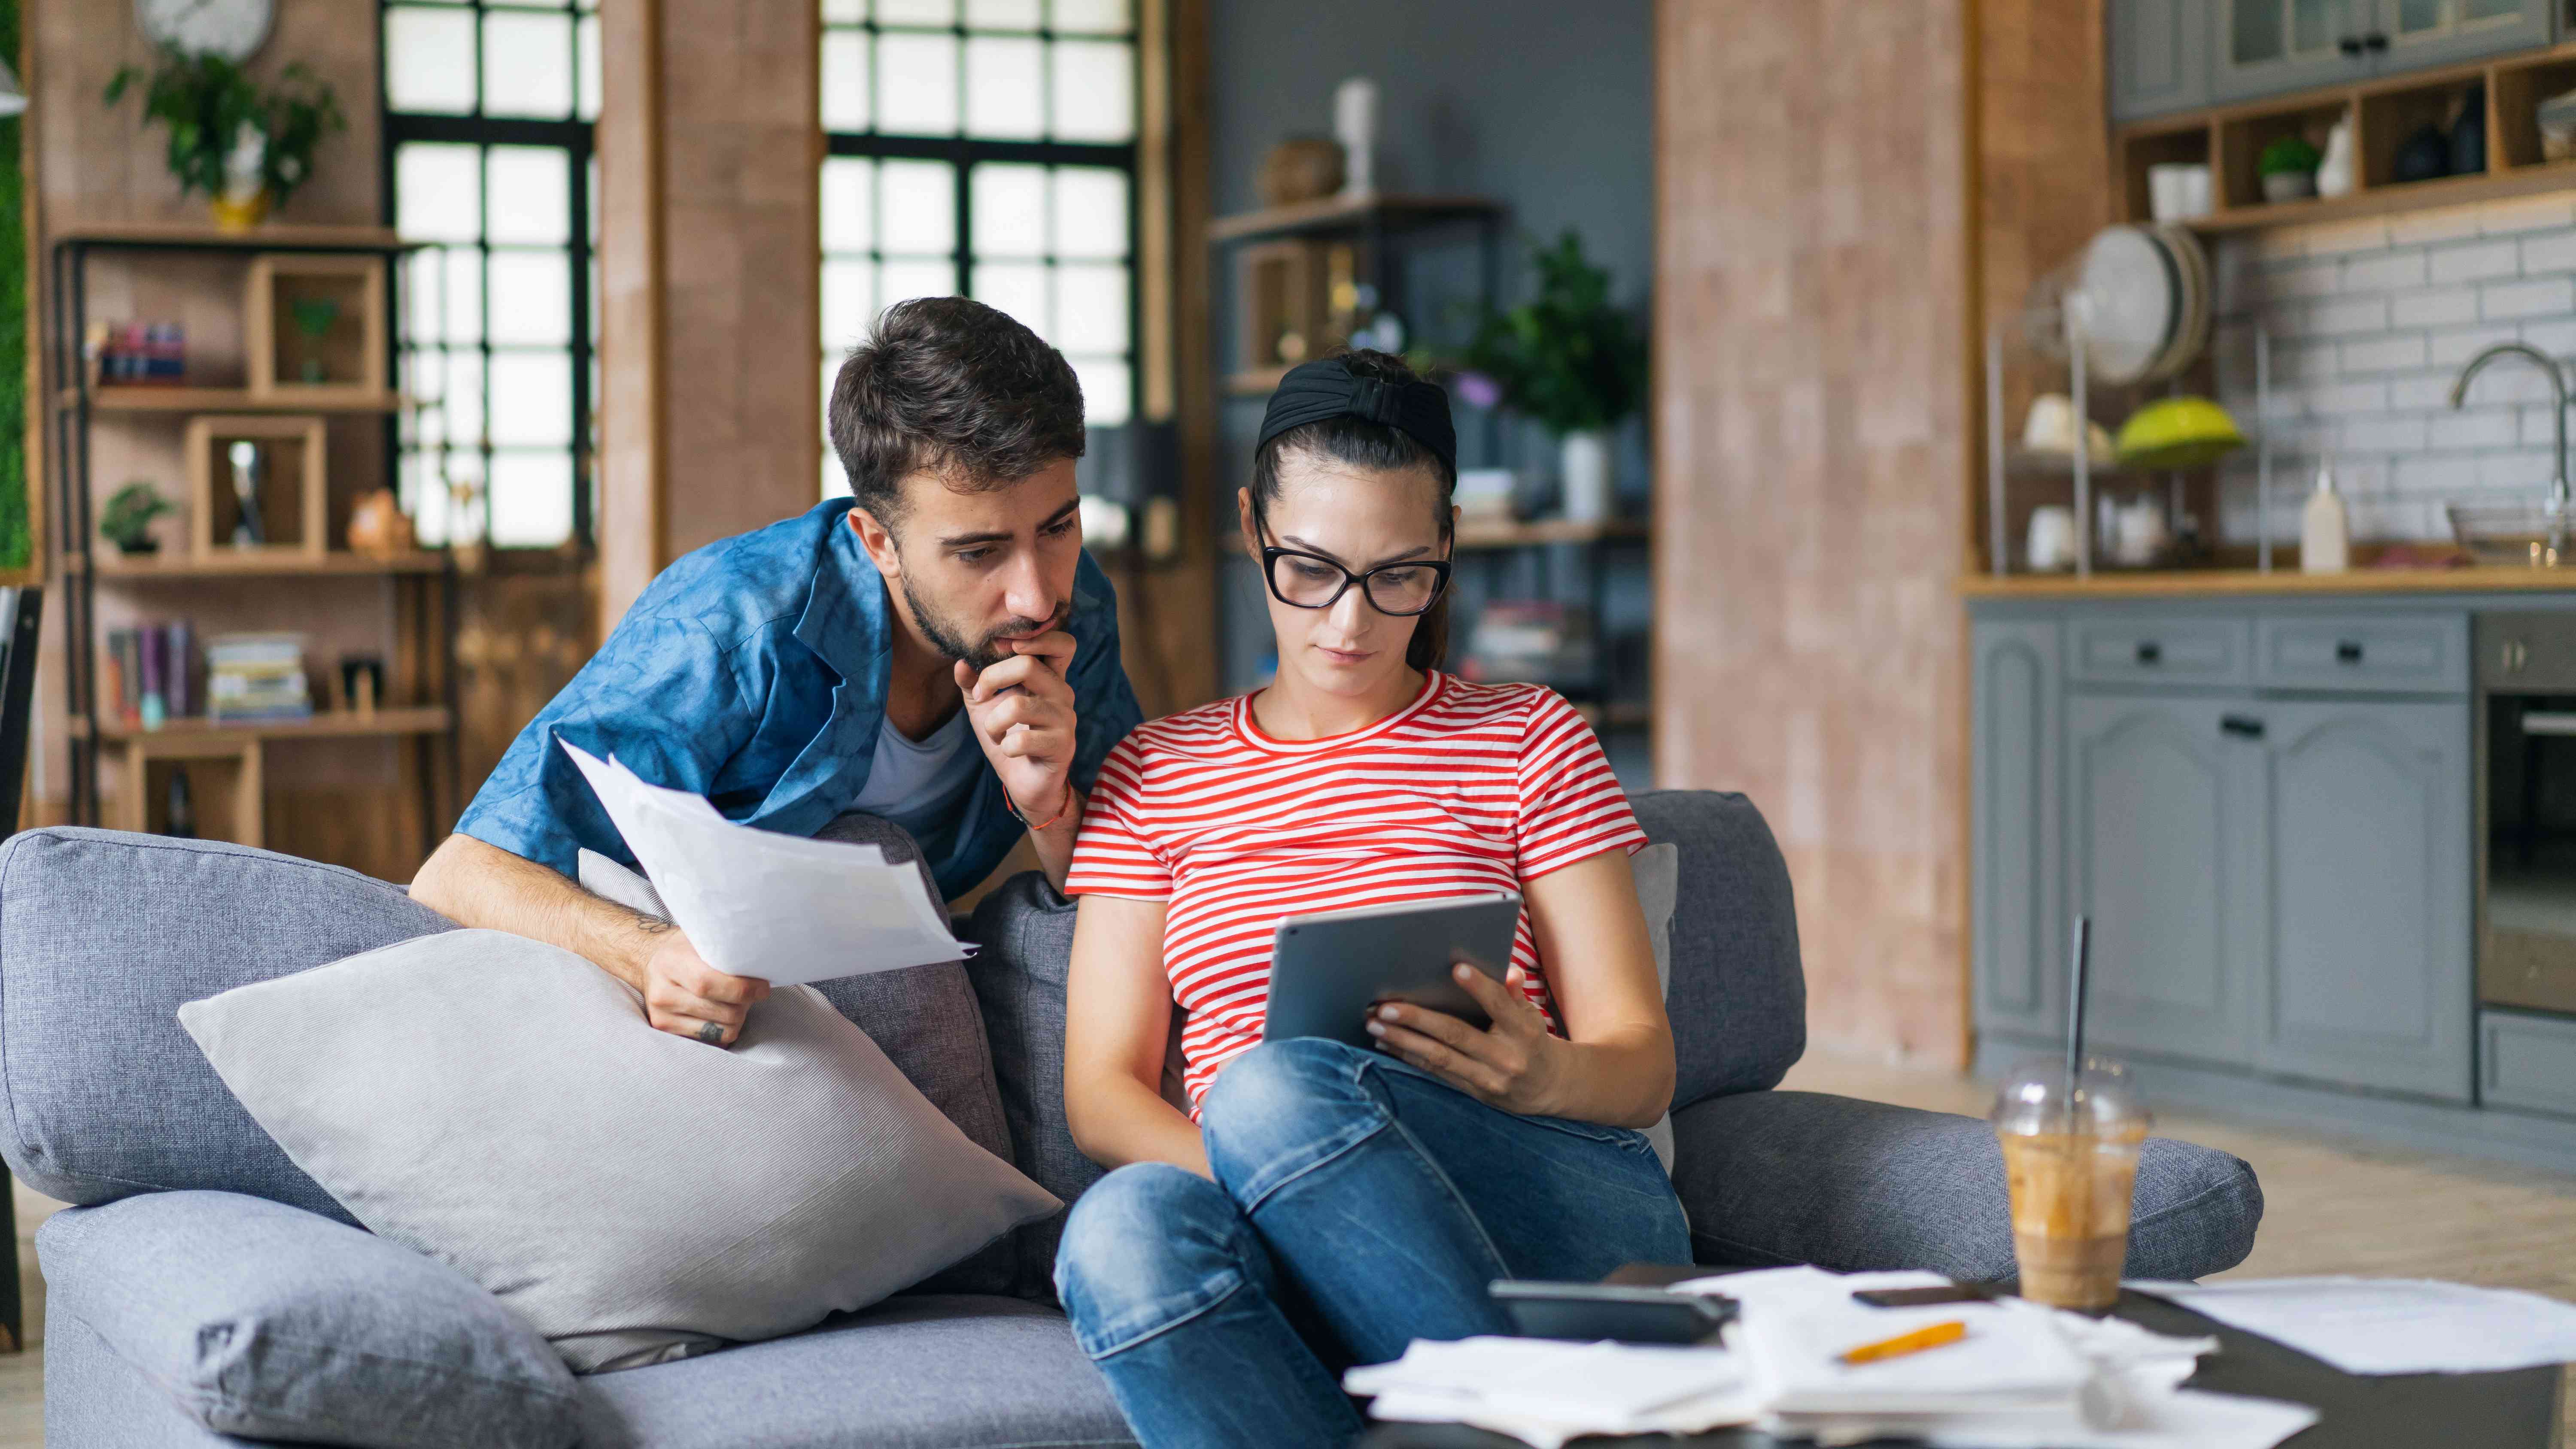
<point>2070,1163</point>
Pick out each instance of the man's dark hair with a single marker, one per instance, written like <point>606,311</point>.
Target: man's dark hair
<point>949,386</point>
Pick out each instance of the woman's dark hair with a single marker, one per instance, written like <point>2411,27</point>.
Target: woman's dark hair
<point>1380,449</point>
<point>950,386</point>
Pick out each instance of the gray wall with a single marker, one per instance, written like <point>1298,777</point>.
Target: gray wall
<point>1544,104</point>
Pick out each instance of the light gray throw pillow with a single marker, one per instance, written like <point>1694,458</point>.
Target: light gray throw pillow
<point>1658,869</point>
<point>502,1105</point>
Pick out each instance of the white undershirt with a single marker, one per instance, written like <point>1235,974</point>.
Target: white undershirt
<point>915,782</point>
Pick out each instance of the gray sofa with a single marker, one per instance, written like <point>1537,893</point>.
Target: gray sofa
<point>103,935</point>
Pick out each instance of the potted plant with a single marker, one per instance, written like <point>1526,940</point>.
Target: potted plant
<point>127,519</point>
<point>247,147</point>
<point>2289,169</point>
<point>1568,359</point>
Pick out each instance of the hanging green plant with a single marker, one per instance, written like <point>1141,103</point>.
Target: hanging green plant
<point>231,138</point>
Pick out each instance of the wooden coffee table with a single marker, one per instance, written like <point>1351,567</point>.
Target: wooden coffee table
<point>2517,1410</point>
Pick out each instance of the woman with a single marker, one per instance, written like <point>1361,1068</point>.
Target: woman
<point>1314,1205</point>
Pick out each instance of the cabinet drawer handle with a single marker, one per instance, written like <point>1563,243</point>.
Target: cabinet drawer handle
<point>2348,651</point>
<point>2244,727</point>
<point>2349,45</point>
<point>2150,652</point>
<point>2375,42</point>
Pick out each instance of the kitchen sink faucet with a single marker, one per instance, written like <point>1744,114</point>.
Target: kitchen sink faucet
<point>2556,509</point>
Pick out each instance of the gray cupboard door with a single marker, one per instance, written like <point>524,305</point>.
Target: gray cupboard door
<point>2157,826</point>
<point>2013,828</point>
<point>2159,56</point>
<point>2422,33</point>
<point>2265,47</point>
<point>2366,978</point>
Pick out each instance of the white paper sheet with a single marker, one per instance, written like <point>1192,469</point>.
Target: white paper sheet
<point>2390,1325</point>
<point>758,903</point>
<point>1545,1392</point>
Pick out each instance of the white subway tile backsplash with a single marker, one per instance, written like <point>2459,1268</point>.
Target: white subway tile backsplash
<point>2466,262</point>
<point>2532,297</point>
<point>2370,322</point>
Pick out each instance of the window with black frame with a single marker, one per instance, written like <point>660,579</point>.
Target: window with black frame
<point>984,147</point>
<point>488,112</point>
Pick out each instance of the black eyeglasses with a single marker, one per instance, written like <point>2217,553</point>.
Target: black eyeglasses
<point>1305,580</point>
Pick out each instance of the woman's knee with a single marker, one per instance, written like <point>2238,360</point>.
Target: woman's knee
<point>1283,1100</point>
<point>1147,1234</point>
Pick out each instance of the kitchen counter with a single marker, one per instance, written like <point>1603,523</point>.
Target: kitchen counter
<point>2215,583</point>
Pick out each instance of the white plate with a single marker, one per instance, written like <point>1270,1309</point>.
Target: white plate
<point>2192,336</point>
<point>2133,286</point>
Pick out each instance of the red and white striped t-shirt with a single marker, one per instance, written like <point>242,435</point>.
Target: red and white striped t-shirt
<point>1470,788</point>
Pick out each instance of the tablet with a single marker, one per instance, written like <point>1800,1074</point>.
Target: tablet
<point>1327,970</point>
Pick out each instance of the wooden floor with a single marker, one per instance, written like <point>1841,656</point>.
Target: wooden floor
<point>2330,1206</point>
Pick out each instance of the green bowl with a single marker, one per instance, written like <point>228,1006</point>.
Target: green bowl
<point>2176,434</point>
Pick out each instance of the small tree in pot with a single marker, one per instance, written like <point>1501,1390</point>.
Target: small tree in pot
<point>1570,360</point>
<point>247,148</point>
<point>126,521</point>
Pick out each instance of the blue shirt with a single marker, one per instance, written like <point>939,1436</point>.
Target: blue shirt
<point>754,672</point>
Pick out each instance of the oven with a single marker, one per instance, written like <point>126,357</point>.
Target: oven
<point>2526,680</point>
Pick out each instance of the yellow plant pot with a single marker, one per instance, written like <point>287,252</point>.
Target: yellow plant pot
<point>238,216</point>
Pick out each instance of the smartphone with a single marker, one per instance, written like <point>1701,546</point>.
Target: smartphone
<point>1590,1312</point>
<point>1920,1297</point>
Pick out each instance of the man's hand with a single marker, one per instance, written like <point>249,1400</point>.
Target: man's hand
<point>685,996</point>
<point>1514,1065</point>
<point>1022,710</point>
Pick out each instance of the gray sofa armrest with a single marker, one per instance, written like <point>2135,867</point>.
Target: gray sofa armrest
<point>1775,1177</point>
<point>267,1322</point>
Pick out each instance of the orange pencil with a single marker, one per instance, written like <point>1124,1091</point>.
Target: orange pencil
<point>1905,1343</point>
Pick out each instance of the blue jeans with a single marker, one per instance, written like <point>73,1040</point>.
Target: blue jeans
<point>1359,1204</point>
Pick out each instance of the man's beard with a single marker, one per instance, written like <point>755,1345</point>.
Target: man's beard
<point>951,642</point>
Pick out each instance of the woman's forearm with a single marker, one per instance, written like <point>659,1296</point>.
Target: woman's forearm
<point>1118,1120</point>
<point>1626,1081</point>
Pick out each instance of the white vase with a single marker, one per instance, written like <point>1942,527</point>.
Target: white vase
<point>1583,466</point>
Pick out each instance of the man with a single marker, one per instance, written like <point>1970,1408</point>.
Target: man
<point>936,650</point>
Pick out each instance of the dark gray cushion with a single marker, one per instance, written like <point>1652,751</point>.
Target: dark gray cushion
<point>913,1373</point>
<point>1738,998</point>
<point>266,1321</point>
<point>102,936</point>
<point>1025,931</point>
<point>1802,1177</point>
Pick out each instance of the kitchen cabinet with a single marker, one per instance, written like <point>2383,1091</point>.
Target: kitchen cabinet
<point>2159,56</point>
<point>2171,55</point>
<point>2019,929</point>
<point>2159,833</point>
<point>2363,821</point>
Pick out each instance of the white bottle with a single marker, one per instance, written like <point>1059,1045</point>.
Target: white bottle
<point>2325,535</point>
<point>2334,171</point>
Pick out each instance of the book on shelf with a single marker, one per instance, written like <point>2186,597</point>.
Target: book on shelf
<point>257,677</point>
<point>148,675</point>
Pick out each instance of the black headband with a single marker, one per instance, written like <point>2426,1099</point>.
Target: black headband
<point>1315,391</point>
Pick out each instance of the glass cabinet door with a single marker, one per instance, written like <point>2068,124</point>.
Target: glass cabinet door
<point>2438,32</point>
<point>2270,46</point>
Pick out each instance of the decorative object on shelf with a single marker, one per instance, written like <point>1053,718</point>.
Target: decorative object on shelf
<point>136,354</point>
<point>2178,190</point>
<point>2140,534</point>
<point>2289,169</point>
<point>2325,531</point>
<point>245,146</point>
<point>2468,141</point>
<point>257,677</point>
<point>2049,431</point>
<point>256,482</point>
<point>2556,120</point>
<point>2052,539</point>
<point>1570,360</point>
<point>378,526</point>
<point>231,29</point>
<point>179,812</point>
<point>2425,155</point>
<point>1355,126</point>
<point>1301,168</point>
<point>314,328</point>
<point>126,521</point>
<point>2178,434</point>
<point>2334,172</point>
<point>362,682</point>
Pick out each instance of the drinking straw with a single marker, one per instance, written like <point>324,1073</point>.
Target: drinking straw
<point>2081,975</point>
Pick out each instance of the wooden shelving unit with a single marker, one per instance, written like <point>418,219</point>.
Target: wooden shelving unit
<point>418,706</point>
<point>1351,213</point>
<point>2230,139</point>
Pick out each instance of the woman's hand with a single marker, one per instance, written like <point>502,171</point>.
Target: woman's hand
<point>1515,1065</point>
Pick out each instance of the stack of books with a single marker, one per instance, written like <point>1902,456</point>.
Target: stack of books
<point>127,354</point>
<point>257,677</point>
<point>151,674</point>
<point>1540,641</point>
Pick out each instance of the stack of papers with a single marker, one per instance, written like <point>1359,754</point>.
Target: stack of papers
<point>2390,1325</point>
<point>1545,1392</point>
<point>757,903</point>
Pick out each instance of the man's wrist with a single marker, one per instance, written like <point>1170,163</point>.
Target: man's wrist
<point>1059,814</point>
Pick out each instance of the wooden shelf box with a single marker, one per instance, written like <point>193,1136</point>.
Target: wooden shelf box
<point>1282,291</point>
<point>224,784</point>
<point>2241,140</point>
<point>294,508</point>
<point>349,355</point>
<point>2391,118</point>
